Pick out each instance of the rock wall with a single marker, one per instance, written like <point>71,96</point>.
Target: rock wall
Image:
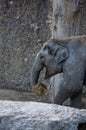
<point>24,27</point>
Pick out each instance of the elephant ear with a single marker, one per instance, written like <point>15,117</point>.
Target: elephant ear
<point>61,54</point>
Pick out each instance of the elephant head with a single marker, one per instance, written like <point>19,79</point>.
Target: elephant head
<point>52,56</point>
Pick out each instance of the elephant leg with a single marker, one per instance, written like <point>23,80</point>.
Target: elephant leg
<point>61,97</point>
<point>60,92</point>
<point>63,94</point>
<point>76,101</point>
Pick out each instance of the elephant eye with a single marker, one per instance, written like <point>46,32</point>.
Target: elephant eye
<point>47,48</point>
<point>50,51</point>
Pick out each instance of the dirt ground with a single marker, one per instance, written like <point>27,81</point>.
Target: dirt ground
<point>18,95</point>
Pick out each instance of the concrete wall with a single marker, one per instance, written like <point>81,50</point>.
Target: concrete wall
<point>24,27</point>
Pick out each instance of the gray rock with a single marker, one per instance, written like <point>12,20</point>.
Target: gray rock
<point>39,116</point>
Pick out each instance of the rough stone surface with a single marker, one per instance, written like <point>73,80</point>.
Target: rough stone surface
<point>24,27</point>
<point>40,116</point>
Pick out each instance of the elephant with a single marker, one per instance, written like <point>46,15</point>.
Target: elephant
<point>66,56</point>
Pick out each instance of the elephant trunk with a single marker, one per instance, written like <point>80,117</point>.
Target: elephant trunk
<point>37,67</point>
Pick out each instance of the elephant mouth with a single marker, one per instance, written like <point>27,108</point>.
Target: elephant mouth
<point>49,73</point>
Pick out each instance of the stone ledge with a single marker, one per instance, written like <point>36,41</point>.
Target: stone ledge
<point>39,116</point>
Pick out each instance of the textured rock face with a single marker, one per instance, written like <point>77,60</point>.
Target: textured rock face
<point>39,116</point>
<point>24,26</point>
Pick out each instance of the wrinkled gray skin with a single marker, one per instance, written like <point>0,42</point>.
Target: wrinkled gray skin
<point>67,56</point>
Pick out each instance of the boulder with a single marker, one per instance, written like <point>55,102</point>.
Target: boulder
<point>40,116</point>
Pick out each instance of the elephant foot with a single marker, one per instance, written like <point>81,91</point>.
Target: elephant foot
<point>75,101</point>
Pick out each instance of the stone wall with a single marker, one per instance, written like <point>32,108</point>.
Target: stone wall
<point>24,27</point>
